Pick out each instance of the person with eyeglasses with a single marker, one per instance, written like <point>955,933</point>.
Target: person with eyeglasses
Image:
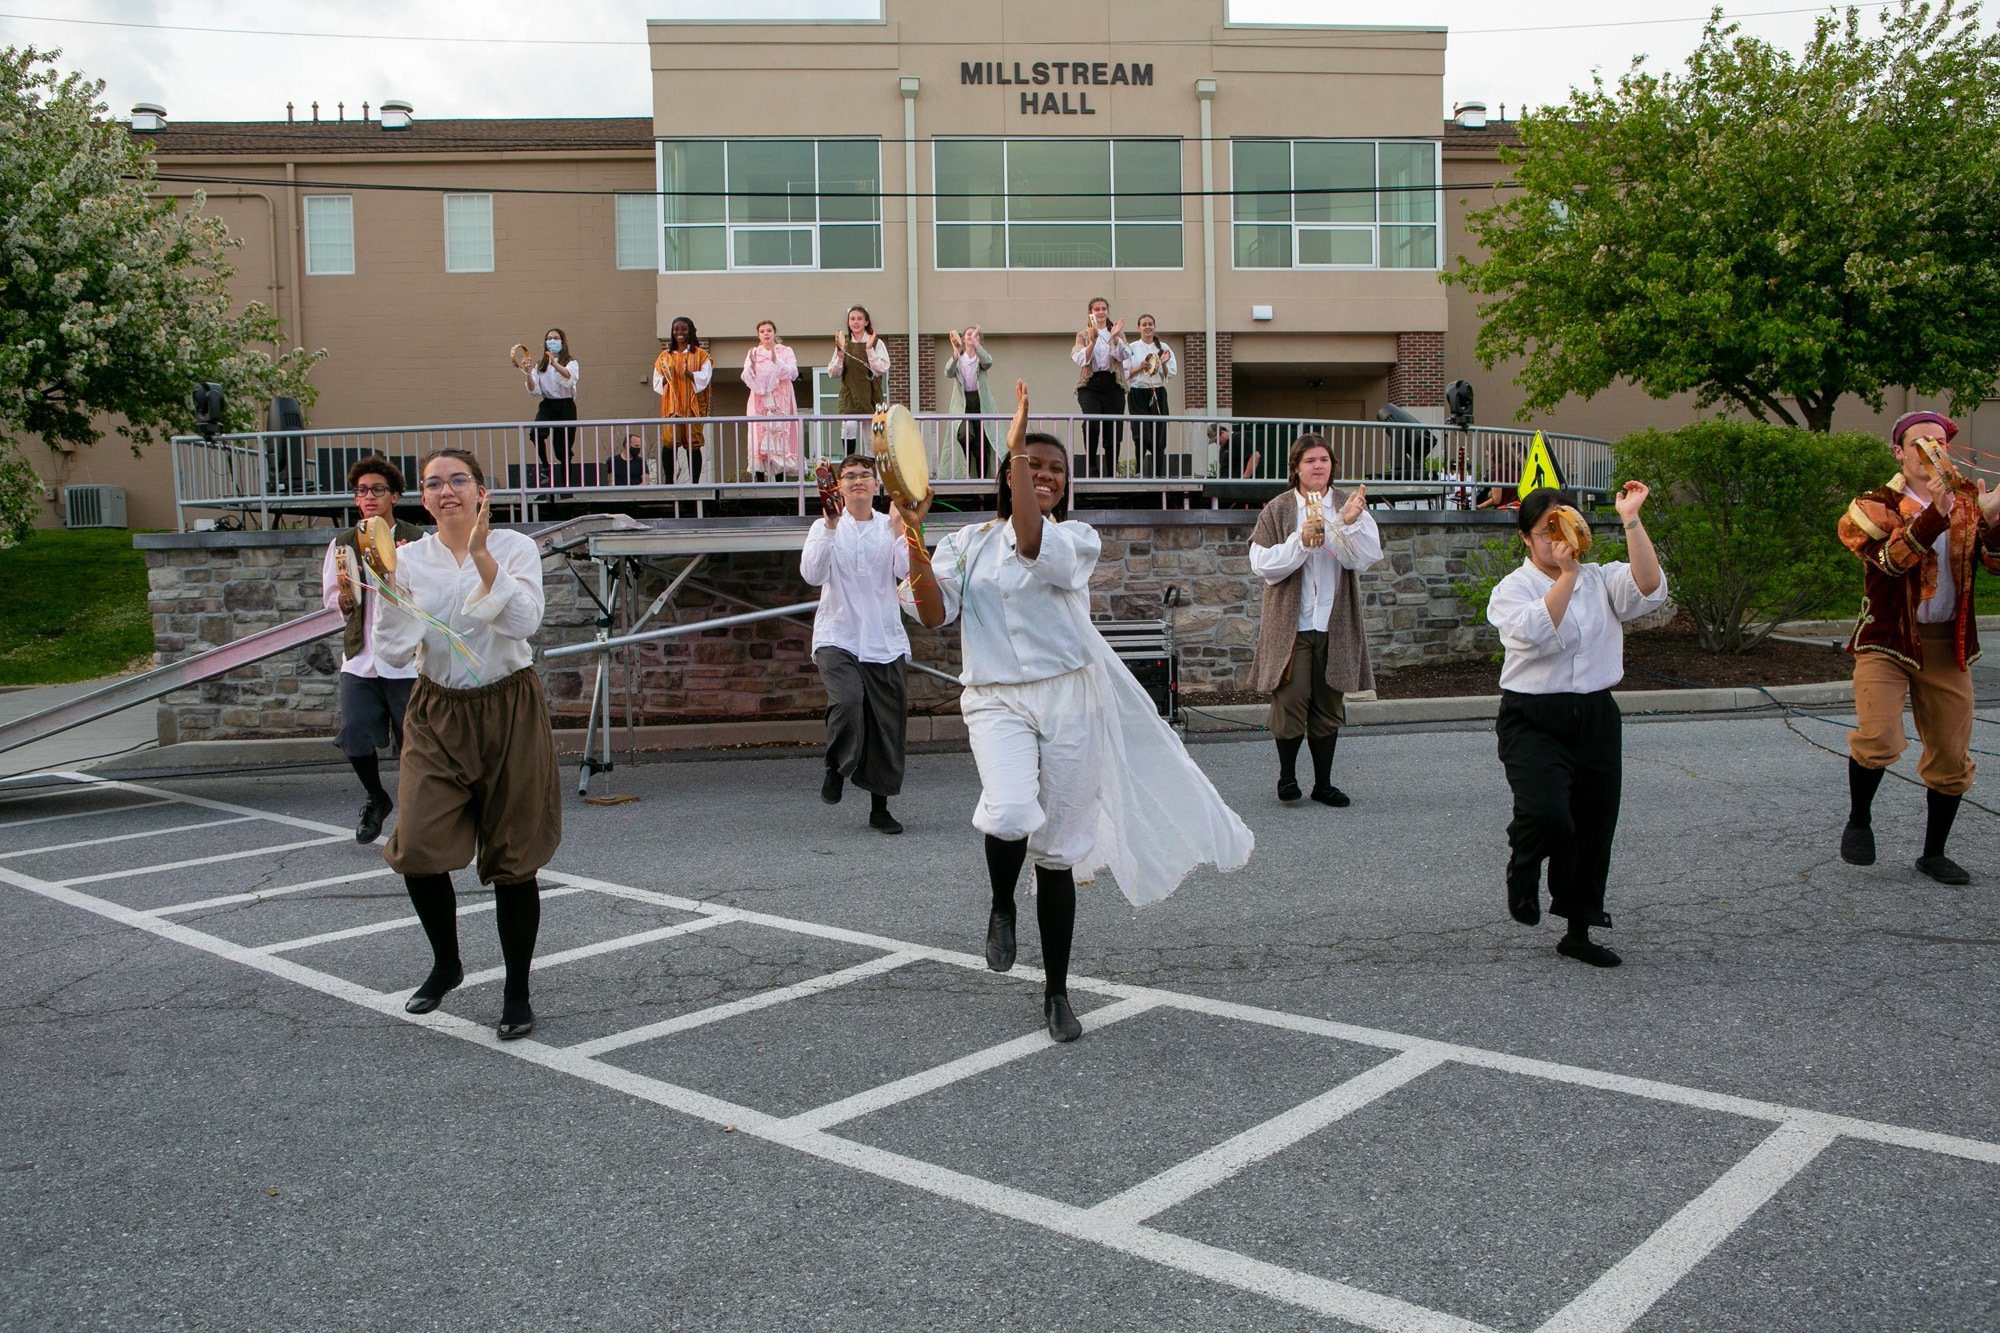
<point>479,760</point>
<point>373,694</point>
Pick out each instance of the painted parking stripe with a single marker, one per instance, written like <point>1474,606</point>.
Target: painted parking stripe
<point>543,962</point>
<point>259,895</point>
<point>82,814</point>
<point>393,923</point>
<point>1617,1300</point>
<point>1205,1170</point>
<point>191,862</point>
<point>125,837</point>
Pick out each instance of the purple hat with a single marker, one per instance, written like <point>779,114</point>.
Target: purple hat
<point>1909,419</point>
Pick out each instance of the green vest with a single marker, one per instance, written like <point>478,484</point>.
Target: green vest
<point>860,392</point>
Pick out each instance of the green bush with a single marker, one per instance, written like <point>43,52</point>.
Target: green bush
<point>20,496</point>
<point>1744,514</point>
<point>1497,557</point>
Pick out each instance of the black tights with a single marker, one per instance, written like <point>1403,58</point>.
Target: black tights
<point>1055,905</point>
<point>369,769</point>
<point>517,910</point>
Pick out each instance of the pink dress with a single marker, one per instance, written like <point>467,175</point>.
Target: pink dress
<point>774,445</point>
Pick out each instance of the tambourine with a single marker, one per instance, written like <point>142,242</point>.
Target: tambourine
<point>377,539</point>
<point>518,354</point>
<point>1567,525</point>
<point>826,476</point>
<point>900,457</point>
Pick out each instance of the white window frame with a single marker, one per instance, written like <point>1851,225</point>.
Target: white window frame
<point>459,266</point>
<point>1007,224</point>
<point>306,224</point>
<point>652,226</point>
<point>1436,224</point>
<point>730,229</point>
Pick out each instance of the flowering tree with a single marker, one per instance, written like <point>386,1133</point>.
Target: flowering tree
<point>112,297</point>
<point>1768,230</point>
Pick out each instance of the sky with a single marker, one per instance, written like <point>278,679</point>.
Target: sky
<point>1529,52</point>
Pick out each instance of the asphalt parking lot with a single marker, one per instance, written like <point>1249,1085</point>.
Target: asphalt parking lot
<point>773,1086</point>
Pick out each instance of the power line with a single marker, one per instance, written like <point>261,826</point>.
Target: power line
<point>1277,37</point>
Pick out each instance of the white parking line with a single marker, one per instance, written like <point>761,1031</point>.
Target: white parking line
<point>259,895</point>
<point>951,1071</point>
<point>605,946</point>
<point>666,1027</point>
<point>1205,1170</point>
<point>191,862</point>
<point>403,922</point>
<point>125,837</point>
<point>82,814</point>
<point>45,793</point>
<point>1617,1300</point>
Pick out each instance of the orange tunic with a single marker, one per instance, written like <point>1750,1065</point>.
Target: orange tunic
<point>678,396</point>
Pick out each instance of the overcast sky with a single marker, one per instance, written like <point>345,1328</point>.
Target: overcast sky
<point>1530,51</point>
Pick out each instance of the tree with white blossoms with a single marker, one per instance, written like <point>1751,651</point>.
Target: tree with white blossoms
<point>112,295</point>
<point>1763,229</point>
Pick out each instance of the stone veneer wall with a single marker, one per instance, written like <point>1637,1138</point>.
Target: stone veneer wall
<point>208,589</point>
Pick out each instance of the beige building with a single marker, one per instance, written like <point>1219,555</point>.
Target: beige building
<point>1281,199</point>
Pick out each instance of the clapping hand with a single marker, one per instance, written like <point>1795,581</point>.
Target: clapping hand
<point>1357,500</point>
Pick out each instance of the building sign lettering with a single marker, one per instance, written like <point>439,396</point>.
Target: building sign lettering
<point>1064,75</point>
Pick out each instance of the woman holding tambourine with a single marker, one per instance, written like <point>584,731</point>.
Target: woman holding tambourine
<point>552,377</point>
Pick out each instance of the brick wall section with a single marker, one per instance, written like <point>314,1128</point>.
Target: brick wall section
<point>927,376</point>
<point>211,590</point>
<point>1194,373</point>
<point>1225,372</point>
<point>899,367</point>
<point>1417,380</point>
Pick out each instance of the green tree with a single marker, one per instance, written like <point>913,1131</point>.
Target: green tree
<point>112,296</point>
<point>1761,229</point>
<point>1743,515</point>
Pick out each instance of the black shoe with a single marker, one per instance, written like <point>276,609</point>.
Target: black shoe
<point>1524,900</point>
<point>1330,795</point>
<point>1943,869</point>
<point>883,822</point>
<point>437,985</point>
<point>517,1020</point>
<point>999,942</point>
<point>1587,951</point>
<point>372,815</point>
<point>1288,790</point>
<point>1062,1023</point>
<point>829,790</point>
<point>1857,845</point>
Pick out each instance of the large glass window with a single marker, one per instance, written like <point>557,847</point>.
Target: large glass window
<point>770,204</point>
<point>468,233</point>
<point>329,233</point>
<point>1335,203</point>
<point>1057,203</point>
<point>637,243</point>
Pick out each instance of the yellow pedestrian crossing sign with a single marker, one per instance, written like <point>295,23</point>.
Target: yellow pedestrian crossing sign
<point>1540,472</point>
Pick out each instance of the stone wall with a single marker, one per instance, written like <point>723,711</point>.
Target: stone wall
<point>208,589</point>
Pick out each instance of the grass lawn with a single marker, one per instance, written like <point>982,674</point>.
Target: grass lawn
<point>1985,601</point>
<point>72,607</point>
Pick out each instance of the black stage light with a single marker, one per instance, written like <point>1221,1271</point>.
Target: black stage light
<point>1458,403</point>
<point>208,409</point>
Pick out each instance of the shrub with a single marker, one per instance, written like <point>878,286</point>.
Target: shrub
<point>1743,515</point>
<point>1497,557</point>
<point>20,496</point>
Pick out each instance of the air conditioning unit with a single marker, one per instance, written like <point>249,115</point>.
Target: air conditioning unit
<point>93,506</point>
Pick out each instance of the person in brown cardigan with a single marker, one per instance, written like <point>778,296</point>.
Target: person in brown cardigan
<point>1311,649</point>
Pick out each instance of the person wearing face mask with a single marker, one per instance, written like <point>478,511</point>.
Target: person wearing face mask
<point>769,370</point>
<point>1921,539</point>
<point>1077,770</point>
<point>681,375</point>
<point>1561,623</point>
<point>1149,364</point>
<point>861,364</point>
<point>856,556</point>
<point>969,397</point>
<point>552,377</point>
<point>1099,356</point>
<point>1311,649</point>
<point>479,761</point>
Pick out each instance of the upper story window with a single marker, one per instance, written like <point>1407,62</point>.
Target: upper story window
<point>730,204</point>
<point>329,222</point>
<point>1335,203</point>
<point>636,225</point>
<point>1057,203</point>
<point>468,233</point>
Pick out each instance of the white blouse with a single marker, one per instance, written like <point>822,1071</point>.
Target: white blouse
<point>496,626</point>
<point>1584,654</point>
<point>878,360</point>
<point>551,384</point>
<point>857,564</point>
<point>1355,545</point>
<point>1102,353</point>
<point>1018,619</point>
<point>366,664</point>
<point>1135,360</point>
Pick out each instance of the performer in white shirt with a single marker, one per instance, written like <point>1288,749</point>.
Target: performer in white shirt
<point>861,364</point>
<point>1311,649</point>
<point>1561,623</point>
<point>1099,357</point>
<point>373,694</point>
<point>553,377</point>
<point>857,557</point>
<point>1078,770</point>
<point>479,761</point>
<point>1149,364</point>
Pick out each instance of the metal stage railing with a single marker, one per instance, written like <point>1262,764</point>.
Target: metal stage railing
<point>535,469</point>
